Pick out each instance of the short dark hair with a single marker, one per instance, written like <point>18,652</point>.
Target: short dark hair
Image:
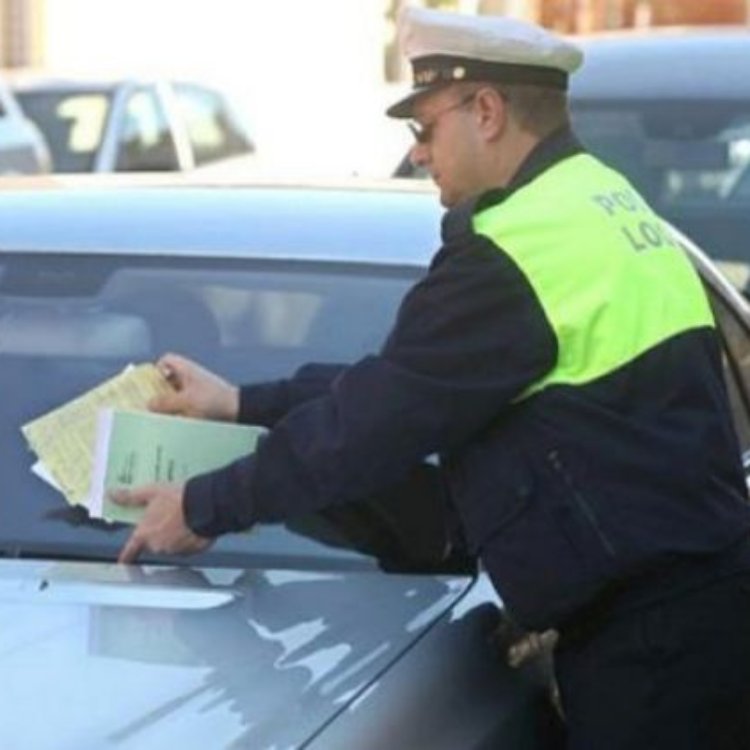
<point>540,111</point>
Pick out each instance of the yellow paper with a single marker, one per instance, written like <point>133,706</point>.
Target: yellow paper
<point>63,439</point>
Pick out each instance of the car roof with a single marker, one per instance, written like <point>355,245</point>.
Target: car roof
<point>395,222</point>
<point>673,63</point>
<point>34,79</point>
<point>28,80</point>
<point>24,80</point>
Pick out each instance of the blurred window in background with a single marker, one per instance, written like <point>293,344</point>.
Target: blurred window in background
<point>145,142</point>
<point>677,153</point>
<point>72,123</point>
<point>214,130</point>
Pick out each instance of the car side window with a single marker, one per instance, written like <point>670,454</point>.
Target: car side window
<point>678,153</point>
<point>146,142</point>
<point>72,122</point>
<point>214,130</point>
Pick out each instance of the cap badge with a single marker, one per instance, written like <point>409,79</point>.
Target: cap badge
<point>425,77</point>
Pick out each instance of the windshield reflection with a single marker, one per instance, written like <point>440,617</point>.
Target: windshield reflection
<point>283,634</point>
<point>70,322</point>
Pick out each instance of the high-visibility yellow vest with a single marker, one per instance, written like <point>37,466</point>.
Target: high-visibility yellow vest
<point>611,278</point>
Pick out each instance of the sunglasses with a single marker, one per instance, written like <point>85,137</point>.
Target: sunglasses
<point>423,132</point>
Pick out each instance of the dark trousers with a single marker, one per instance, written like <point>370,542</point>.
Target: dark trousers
<point>674,675</point>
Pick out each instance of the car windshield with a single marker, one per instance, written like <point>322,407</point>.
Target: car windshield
<point>691,159</point>
<point>68,322</point>
<point>72,122</point>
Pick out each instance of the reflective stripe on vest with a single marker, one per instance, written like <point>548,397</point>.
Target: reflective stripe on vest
<point>612,280</point>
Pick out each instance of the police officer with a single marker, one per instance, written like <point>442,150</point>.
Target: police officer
<point>561,358</point>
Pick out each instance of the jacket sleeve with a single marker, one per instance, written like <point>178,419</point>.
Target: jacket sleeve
<point>266,403</point>
<point>468,338</point>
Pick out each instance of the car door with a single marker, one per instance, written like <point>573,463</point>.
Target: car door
<point>732,315</point>
<point>736,342</point>
<point>145,141</point>
<point>214,130</point>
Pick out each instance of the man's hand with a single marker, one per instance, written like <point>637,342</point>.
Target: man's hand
<point>198,392</point>
<point>162,528</point>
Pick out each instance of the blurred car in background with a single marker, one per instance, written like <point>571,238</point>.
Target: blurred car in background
<point>131,125</point>
<point>670,108</point>
<point>23,149</point>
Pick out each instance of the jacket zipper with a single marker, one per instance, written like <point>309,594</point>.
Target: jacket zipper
<point>557,464</point>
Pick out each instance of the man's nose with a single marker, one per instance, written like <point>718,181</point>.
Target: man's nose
<point>418,154</point>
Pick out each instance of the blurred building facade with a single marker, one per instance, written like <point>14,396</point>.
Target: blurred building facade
<point>31,33</point>
<point>21,32</point>
<point>582,16</point>
<point>579,16</point>
<point>313,76</point>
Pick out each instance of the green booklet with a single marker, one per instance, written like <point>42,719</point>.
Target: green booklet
<point>133,448</point>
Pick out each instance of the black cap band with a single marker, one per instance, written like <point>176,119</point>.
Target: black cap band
<point>434,70</point>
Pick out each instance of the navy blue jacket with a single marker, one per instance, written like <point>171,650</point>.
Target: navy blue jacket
<point>563,495</point>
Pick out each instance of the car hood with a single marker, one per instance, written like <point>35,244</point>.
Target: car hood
<point>96,655</point>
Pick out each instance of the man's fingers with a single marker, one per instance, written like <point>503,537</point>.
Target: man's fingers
<point>175,368</point>
<point>136,497</point>
<point>162,529</point>
<point>133,547</point>
<point>172,362</point>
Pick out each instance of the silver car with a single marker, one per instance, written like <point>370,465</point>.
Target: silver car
<point>133,125</point>
<point>357,628</point>
<point>23,149</point>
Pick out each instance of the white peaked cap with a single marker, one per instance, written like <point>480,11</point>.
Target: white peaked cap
<point>448,48</point>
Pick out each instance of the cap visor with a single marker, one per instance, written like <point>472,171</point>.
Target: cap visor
<point>403,108</point>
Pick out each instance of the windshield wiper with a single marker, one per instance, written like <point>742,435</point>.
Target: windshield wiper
<point>77,516</point>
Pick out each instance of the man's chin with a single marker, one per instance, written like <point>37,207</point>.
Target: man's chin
<point>447,200</point>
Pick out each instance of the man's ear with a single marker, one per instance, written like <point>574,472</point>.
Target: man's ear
<point>492,112</point>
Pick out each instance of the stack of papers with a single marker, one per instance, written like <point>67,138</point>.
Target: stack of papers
<point>137,448</point>
<point>64,438</point>
<point>107,439</point>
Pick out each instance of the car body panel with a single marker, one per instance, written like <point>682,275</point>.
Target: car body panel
<point>211,657</point>
<point>486,707</point>
<point>281,638</point>
<point>195,220</point>
<point>650,63</point>
<point>307,632</point>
